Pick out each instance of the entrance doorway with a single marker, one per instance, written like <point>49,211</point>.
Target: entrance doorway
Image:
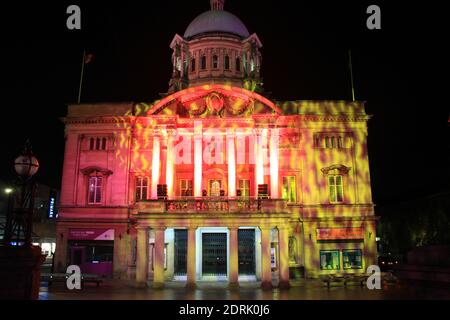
<point>214,188</point>
<point>180,248</point>
<point>246,252</point>
<point>214,254</point>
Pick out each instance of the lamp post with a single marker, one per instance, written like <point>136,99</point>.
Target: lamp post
<point>20,261</point>
<point>21,205</point>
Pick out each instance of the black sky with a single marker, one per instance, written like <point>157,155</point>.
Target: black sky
<point>304,57</point>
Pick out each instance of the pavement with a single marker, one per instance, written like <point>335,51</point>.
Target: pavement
<point>300,290</point>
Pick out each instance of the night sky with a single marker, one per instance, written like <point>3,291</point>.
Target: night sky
<point>304,57</point>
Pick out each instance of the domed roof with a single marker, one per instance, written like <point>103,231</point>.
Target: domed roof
<point>217,21</point>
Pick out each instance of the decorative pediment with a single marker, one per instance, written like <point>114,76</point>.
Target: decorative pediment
<point>214,101</point>
<point>336,169</point>
<point>94,170</point>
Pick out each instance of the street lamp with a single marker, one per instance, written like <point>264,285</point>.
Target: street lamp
<point>20,261</point>
<point>19,221</point>
<point>26,165</point>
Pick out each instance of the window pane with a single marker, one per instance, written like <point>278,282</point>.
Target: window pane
<point>91,190</point>
<point>329,260</point>
<point>332,194</point>
<point>293,190</point>
<point>352,259</point>
<point>138,194</point>
<point>98,195</point>
<point>144,193</point>
<point>340,194</point>
<point>331,181</point>
<point>339,180</point>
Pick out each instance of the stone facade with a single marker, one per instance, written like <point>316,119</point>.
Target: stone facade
<point>184,179</point>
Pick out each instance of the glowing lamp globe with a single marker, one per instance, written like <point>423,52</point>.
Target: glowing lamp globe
<point>26,166</point>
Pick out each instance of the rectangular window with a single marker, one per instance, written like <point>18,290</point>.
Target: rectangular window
<point>352,259</point>
<point>244,187</point>
<point>142,188</point>
<point>335,184</point>
<point>289,189</point>
<point>186,188</point>
<point>95,190</point>
<point>329,260</point>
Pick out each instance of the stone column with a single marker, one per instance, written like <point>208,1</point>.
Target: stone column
<point>155,164</point>
<point>259,161</point>
<point>142,256</point>
<point>60,263</point>
<point>231,155</point>
<point>234,263</point>
<point>158,259</point>
<point>273,145</point>
<point>170,161</point>
<point>182,61</point>
<point>198,158</point>
<point>283,246</point>
<point>191,259</point>
<point>266,269</point>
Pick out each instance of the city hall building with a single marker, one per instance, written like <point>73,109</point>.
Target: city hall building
<point>215,181</point>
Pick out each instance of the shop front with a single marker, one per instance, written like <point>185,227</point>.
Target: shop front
<point>92,250</point>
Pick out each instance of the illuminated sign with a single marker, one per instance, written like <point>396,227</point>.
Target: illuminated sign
<point>51,213</point>
<point>340,234</point>
<point>51,208</point>
<point>91,234</point>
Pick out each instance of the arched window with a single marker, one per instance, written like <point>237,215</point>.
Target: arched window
<point>193,65</point>
<point>203,63</point>
<point>238,64</point>
<point>97,144</point>
<point>91,144</point>
<point>215,62</point>
<point>104,144</point>
<point>227,62</point>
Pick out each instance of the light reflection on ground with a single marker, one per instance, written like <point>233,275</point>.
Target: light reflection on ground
<point>304,290</point>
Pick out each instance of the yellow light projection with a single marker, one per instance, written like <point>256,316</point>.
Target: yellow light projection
<point>313,141</point>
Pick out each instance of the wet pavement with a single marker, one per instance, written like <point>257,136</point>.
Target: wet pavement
<point>300,290</point>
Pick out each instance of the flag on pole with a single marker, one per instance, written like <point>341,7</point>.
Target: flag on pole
<point>87,58</point>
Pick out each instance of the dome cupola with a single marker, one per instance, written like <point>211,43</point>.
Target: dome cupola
<point>216,48</point>
<point>216,20</point>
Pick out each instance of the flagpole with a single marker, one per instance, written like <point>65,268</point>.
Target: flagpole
<point>351,74</point>
<point>81,77</point>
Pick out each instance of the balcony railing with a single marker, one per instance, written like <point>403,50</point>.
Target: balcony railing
<point>212,204</point>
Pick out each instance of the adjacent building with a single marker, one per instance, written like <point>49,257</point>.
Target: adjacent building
<point>216,181</point>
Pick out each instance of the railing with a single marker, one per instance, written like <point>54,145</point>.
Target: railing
<point>213,204</point>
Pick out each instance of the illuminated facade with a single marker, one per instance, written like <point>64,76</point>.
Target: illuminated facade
<point>215,181</point>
